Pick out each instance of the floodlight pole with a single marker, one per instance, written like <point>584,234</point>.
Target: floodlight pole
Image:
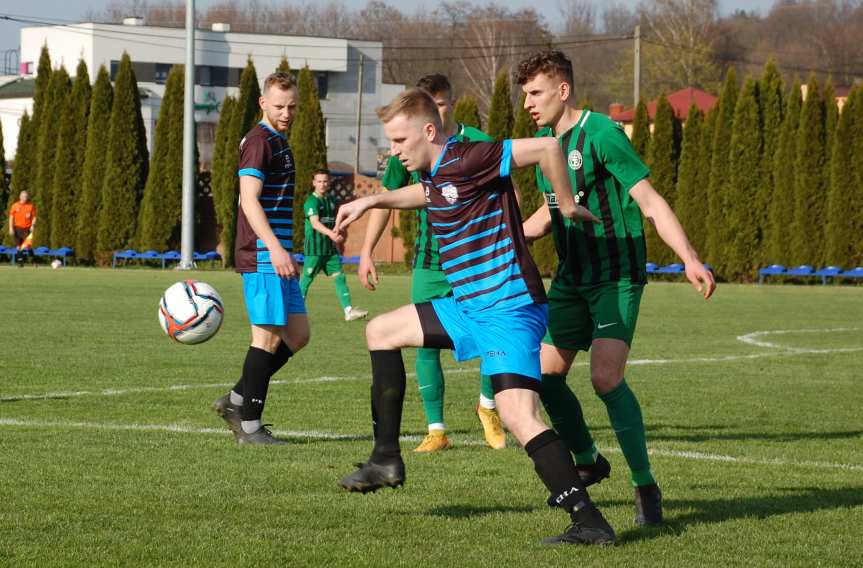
<point>187,239</point>
<point>636,76</point>
<point>359,119</point>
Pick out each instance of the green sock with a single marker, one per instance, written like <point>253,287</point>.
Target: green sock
<point>567,418</point>
<point>485,388</point>
<point>305,282</point>
<point>342,290</point>
<point>624,413</point>
<point>431,386</point>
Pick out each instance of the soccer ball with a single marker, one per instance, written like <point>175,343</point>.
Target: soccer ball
<point>55,264</point>
<point>191,312</point>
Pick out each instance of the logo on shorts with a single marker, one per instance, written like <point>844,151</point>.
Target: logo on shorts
<point>450,193</point>
<point>604,325</point>
<point>496,353</point>
<point>575,160</point>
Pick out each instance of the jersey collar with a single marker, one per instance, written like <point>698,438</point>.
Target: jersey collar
<point>270,128</point>
<point>442,154</point>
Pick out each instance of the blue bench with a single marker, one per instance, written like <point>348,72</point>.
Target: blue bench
<point>853,273</point>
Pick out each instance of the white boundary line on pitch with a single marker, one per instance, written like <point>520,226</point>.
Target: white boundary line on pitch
<point>777,350</point>
<point>318,435</point>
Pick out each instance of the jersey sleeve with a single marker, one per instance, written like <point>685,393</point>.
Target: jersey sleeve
<point>254,157</point>
<point>483,162</point>
<point>396,175</point>
<point>310,207</point>
<point>475,134</point>
<point>619,157</point>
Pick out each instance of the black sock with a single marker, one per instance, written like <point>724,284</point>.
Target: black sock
<point>280,357</point>
<point>256,380</point>
<point>554,465</point>
<point>388,395</point>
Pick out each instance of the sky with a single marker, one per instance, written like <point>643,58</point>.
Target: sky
<point>75,10</point>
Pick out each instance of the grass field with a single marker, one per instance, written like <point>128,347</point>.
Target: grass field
<point>110,455</point>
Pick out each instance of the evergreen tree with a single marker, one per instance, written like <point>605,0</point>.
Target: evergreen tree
<point>717,228</point>
<point>831,121</point>
<point>284,66</point>
<point>855,207</point>
<point>770,99</point>
<point>162,204</point>
<point>705,158</point>
<point>780,213</point>
<point>90,198</point>
<point>309,146</point>
<point>664,155</point>
<point>500,119</point>
<point>126,166</point>
<point>842,220</point>
<point>69,165</point>
<point>689,200</point>
<point>807,229</point>
<point>223,181</point>
<point>4,188</point>
<point>641,131</point>
<point>24,157</point>
<point>466,111</point>
<point>56,100</point>
<point>742,186</point>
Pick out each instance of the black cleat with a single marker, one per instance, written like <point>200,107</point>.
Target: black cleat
<point>648,505</point>
<point>588,527</point>
<point>229,412</point>
<point>369,477</point>
<point>589,474</point>
<point>261,437</point>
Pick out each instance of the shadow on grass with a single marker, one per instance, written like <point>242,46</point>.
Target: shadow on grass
<point>708,432</point>
<point>468,511</point>
<point>699,511</point>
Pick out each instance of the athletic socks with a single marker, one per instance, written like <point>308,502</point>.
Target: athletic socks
<point>280,357</point>
<point>388,394</point>
<point>624,412</point>
<point>342,291</point>
<point>236,398</point>
<point>553,463</point>
<point>567,418</point>
<point>431,385</point>
<point>257,370</point>
<point>486,393</point>
<point>487,403</point>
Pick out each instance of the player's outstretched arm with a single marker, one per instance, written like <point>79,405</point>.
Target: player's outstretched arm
<point>283,263</point>
<point>537,225</point>
<point>378,220</point>
<point>410,197</point>
<point>546,153</point>
<point>669,229</point>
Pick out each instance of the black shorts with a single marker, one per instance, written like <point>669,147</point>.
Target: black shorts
<point>20,235</point>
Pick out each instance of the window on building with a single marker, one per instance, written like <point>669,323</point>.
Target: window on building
<point>144,72</point>
<point>161,73</point>
<point>323,80</point>
<point>204,75</point>
<point>218,76</point>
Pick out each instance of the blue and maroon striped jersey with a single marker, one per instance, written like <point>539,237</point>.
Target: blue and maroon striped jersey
<point>475,218</point>
<point>265,154</point>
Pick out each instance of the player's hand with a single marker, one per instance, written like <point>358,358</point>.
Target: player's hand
<point>701,278</point>
<point>337,238</point>
<point>367,272</point>
<point>583,214</point>
<point>350,212</point>
<point>283,263</point>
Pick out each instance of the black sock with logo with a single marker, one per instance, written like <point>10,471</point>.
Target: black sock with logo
<point>553,463</point>
<point>388,395</point>
<point>257,370</point>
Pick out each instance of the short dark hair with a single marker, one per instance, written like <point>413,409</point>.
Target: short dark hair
<point>321,172</point>
<point>281,79</point>
<point>435,84</point>
<point>551,62</point>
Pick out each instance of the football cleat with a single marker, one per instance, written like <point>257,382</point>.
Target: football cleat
<point>492,427</point>
<point>648,505</point>
<point>589,474</point>
<point>588,527</point>
<point>355,314</point>
<point>261,437</point>
<point>229,412</point>
<point>435,441</point>
<point>369,476</point>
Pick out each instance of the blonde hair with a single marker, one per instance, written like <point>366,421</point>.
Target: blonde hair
<point>284,81</point>
<point>413,103</point>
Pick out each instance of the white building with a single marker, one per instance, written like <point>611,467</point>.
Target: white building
<point>220,56</point>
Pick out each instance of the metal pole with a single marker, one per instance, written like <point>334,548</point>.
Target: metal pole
<point>187,240</point>
<point>636,79</point>
<point>359,118</point>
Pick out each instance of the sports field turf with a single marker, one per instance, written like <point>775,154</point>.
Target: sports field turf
<point>109,454</point>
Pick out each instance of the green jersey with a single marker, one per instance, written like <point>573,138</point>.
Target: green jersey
<point>603,167</point>
<point>396,176</point>
<point>325,210</point>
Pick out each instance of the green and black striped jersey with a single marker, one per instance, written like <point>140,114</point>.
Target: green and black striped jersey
<point>603,166</point>
<point>325,209</point>
<point>396,176</point>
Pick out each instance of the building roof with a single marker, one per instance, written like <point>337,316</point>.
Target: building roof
<point>680,101</point>
<point>18,88</point>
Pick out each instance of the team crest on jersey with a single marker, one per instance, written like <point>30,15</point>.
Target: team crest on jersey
<point>450,193</point>
<point>575,160</point>
<point>289,162</point>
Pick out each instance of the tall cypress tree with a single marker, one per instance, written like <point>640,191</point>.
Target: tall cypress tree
<point>466,111</point>
<point>4,188</point>
<point>705,158</point>
<point>284,66</point>
<point>717,227</point>
<point>831,121</point>
<point>855,207</point>
<point>161,206</point>
<point>24,158</point>
<point>641,131</point>
<point>525,178</point>
<point>807,229</point>
<point>223,181</point>
<point>500,119</point>
<point>125,168</point>
<point>69,164</point>
<point>742,187</point>
<point>841,216</point>
<point>90,198</point>
<point>56,99</point>
<point>690,205</point>
<point>770,98</point>
<point>308,144</point>
<point>664,155</point>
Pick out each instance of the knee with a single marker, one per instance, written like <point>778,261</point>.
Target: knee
<point>296,339</point>
<point>376,335</point>
<point>605,380</point>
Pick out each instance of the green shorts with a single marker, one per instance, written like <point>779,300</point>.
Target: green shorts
<point>578,314</point>
<point>428,285</point>
<point>330,264</point>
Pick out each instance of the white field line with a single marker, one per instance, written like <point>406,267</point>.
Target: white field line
<point>319,435</point>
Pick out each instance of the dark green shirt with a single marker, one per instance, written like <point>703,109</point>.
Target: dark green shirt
<point>603,166</point>
<point>396,176</point>
<point>325,209</point>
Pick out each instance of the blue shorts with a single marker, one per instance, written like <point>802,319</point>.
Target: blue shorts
<point>270,298</point>
<point>506,340</point>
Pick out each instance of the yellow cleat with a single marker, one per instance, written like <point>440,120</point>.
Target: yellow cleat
<point>495,437</point>
<point>435,441</point>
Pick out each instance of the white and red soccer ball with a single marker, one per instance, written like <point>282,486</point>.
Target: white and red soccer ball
<point>191,312</point>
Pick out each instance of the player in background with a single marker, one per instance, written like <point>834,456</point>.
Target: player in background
<point>274,302</point>
<point>322,244</point>
<point>428,282</point>
<point>497,311</point>
<point>595,294</point>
